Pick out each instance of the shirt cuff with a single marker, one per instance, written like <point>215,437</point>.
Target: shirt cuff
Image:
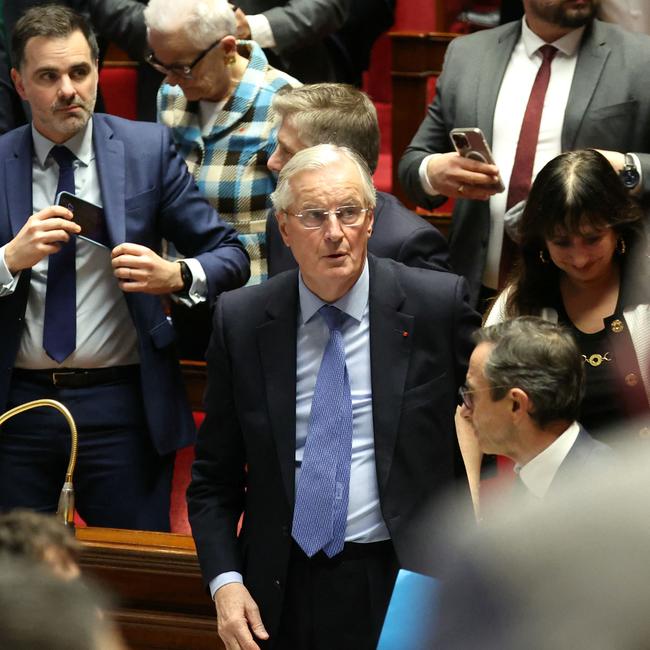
<point>225,579</point>
<point>8,282</point>
<point>199,289</point>
<point>424,177</point>
<point>261,31</point>
<point>639,186</point>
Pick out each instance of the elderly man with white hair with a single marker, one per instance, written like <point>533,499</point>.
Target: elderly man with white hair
<point>330,403</point>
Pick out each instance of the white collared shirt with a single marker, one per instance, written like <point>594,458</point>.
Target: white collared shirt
<point>517,83</point>
<point>538,473</point>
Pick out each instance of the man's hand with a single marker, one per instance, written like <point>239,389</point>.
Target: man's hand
<point>243,28</point>
<point>471,453</point>
<point>42,235</point>
<point>237,616</point>
<point>452,175</point>
<point>138,268</point>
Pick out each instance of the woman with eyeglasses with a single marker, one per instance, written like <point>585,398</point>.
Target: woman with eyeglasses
<point>583,262</point>
<point>216,97</point>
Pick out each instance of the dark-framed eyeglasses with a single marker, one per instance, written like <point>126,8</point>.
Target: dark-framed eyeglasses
<point>465,395</point>
<point>347,215</point>
<point>179,69</point>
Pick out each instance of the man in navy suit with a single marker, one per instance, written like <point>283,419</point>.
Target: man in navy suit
<point>95,335</point>
<point>406,334</point>
<point>344,115</point>
<point>522,395</point>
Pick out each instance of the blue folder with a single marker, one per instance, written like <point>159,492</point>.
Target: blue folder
<point>412,613</point>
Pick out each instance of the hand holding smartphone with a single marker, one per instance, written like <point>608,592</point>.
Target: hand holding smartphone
<point>88,215</point>
<point>470,143</point>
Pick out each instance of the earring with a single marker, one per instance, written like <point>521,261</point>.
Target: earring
<point>620,246</point>
<point>230,59</point>
<point>542,257</point>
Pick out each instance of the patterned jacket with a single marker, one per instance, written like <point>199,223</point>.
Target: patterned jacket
<point>229,164</point>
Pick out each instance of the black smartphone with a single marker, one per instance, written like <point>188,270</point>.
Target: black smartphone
<point>470,143</point>
<point>88,215</point>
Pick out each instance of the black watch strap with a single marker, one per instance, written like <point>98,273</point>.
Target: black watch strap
<point>186,276</point>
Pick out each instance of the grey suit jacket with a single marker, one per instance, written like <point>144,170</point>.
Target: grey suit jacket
<point>608,108</point>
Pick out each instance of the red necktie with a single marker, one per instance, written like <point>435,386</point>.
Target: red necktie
<point>522,169</point>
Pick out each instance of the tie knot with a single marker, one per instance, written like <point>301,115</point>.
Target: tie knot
<point>63,156</point>
<point>333,316</point>
<point>548,52</point>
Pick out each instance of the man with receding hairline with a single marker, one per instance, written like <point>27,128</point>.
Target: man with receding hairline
<point>330,400</point>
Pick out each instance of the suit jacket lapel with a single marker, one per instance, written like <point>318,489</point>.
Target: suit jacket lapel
<point>277,349</point>
<point>18,179</point>
<point>495,62</point>
<point>109,154</point>
<point>573,461</point>
<point>591,60</point>
<point>390,352</point>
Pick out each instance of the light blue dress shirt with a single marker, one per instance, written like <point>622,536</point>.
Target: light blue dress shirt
<point>105,332</point>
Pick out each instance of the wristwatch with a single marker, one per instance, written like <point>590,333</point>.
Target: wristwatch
<point>629,175</point>
<point>187,277</point>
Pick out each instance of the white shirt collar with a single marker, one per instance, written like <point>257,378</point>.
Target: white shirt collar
<point>80,144</point>
<point>539,472</point>
<point>567,44</point>
<point>353,303</point>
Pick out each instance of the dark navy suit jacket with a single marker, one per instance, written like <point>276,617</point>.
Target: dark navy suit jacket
<point>420,342</point>
<point>148,194</point>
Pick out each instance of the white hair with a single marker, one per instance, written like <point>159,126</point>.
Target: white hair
<point>320,157</point>
<point>203,21</point>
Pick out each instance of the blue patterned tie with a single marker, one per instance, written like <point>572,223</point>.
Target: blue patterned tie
<point>321,508</point>
<point>60,322</point>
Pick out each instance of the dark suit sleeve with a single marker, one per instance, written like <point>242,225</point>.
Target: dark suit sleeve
<point>465,322</point>
<point>9,102</point>
<point>407,237</point>
<point>432,137</point>
<point>299,23</point>
<point>425,248</point>
<point>216,493</point>
<point>194,227</point>
<point>122,22</point>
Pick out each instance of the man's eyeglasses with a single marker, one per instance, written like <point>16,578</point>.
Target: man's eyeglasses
<point>465,395</point>
<point>179,69</point>
<point>347,215</point>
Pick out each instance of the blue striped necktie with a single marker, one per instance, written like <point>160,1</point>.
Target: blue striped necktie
<point>321,508</point>
<point>60,322</point>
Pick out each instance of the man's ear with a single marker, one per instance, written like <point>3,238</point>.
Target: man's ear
<point>229,44</point>
<point>520,401</point>
<point>16,77</point>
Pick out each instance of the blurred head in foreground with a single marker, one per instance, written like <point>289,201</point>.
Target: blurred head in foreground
<point>39,610</point>
<point>39,538</point>
<point>566,573</point>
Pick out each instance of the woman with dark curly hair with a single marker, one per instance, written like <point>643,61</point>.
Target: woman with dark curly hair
<point>584,263</point>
